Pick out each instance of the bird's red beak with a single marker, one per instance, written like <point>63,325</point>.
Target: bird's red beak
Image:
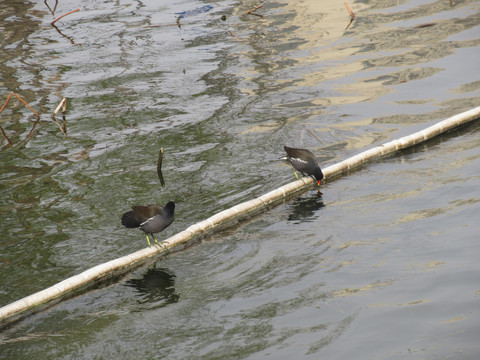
<point>319,181</point>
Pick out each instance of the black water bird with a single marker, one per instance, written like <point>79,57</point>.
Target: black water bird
<point>304,161</point>
<point>151,218</point>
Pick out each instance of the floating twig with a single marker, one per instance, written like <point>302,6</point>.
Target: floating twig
<point>349,10</point>
<point>63,106</point>
<point>6,137</point>
<point>159,167</point>
<point>350,23</point>
<point>352,15</point>
<point>54,8</point>
<point>25,103</point>
<point>70,12</point>
<point>65,36</point>
<point>255,14</point>
<point>6,101</point>
<point>19,98</point>
<point>178,21</point>
<point>251,10</point>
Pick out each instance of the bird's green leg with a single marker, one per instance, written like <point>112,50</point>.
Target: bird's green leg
<point>148,240</point>
<point>295,174</point>
<point>154,238</point>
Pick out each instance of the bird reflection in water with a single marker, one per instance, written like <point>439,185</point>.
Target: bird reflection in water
<point>306,209</point>
<point>155,286</point>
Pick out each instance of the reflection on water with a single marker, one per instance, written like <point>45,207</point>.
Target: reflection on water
<point>155,286</point>
<point>306,209</point>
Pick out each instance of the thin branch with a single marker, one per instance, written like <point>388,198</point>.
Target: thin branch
<point>350,23</point>
<point>6,137</point>
<point>159,167</point>
<point>260,16</point>
<point>251,10</point>
<point>62,103</point>
<point>23,101</point>
<point>63,106</point>
<point>19,98</point>
<point>71,12</point>
<point>65,36</point>
<point>349,10</point>
<point>54,8</point>
<point>6,101</point>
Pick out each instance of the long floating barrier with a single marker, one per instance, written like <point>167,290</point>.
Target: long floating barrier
<point>75,284</point>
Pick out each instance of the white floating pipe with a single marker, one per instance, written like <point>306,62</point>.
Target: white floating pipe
<point>57,292</point>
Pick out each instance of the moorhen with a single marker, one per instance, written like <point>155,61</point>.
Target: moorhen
<point>151,218</point>
<point>304,161</point>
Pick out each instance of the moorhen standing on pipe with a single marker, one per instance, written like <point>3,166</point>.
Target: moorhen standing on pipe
<point>304,161</point>
<point>151,218</point>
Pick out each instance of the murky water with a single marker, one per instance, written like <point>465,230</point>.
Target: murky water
<point>384,266</point>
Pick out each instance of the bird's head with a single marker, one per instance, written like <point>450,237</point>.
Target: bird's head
<point>170,206</point>
<point>318,175</point>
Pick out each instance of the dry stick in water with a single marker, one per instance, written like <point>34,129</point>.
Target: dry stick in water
<point>6,137</point>
<point>65,36</point>
<point>159,167</point>
<point>350,11</point>
<point>255,8</point>
<point>19,98</point>
<point>260,16</point>
<point>352,15</point>
<point>3,107</point>
<point>71,12</point>
<point>54,8</point>
<point>24,102</point>
<point>63,105</point>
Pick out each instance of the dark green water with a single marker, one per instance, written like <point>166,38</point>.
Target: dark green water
<point>384,266</point>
